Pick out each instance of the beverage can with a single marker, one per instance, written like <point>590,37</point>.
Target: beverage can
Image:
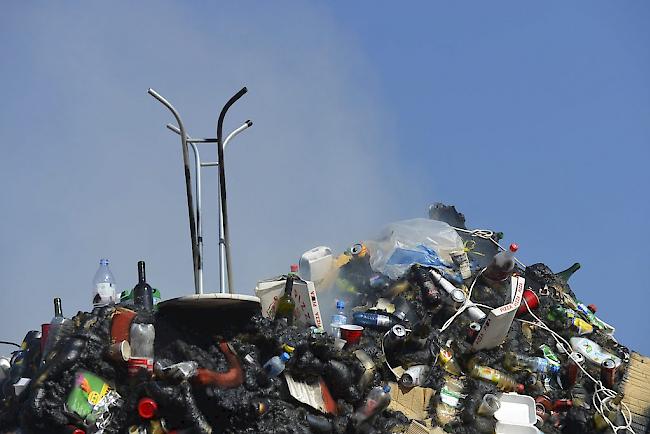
<point>608,373</point>
<point>462,261</point>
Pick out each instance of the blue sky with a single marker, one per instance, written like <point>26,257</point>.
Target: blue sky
<point>532,118</point>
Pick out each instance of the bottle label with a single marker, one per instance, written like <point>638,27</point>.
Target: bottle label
<point>104,294</point>
<point>450,397</point>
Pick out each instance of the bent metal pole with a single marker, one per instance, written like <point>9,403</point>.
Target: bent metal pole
<point>222,185</point>
<point>196,255</point>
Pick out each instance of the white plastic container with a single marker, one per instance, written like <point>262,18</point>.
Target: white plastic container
<point>316,263</point>
<point>516,414</point>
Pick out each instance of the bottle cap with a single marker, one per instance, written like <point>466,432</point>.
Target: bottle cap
<point>514,247</point>
<point>147,408</point>
<point>520,388</point>
<point>285,356</point>
<point>386,388</point>
<point>592,307</point>
<point>103,261</point>
<point>340,304</point>
<point>294,268</point>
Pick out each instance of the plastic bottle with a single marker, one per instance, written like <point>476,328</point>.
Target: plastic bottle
<point>450,396</point>
<point>424,282</point>
<point>285,305</point>
<point>104,288</point>
<point>448,361</point>
<point>377,401</point>
<point>56,325</point>
<point>501,379</point>
<point>502,265</point>
<point>142,292</point>
<point>373,320</point>
<point>592,351</point>
<point>338,319</point>
<point>141,338</point>
<point>276,364</point>
<point>517,362</point>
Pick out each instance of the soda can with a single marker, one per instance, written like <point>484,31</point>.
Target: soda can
<point>462,261</point>
<point>545,402</point>
<point>358,250</point>
<point>608,373</point>
<point>472,331</point>
<point>562,404</point>
<point>573,368</point>
<point>396,336</point>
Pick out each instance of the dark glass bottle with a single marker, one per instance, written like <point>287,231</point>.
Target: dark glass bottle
<point>566,274</point>
<point>423,280</point>
<point>286,305</point>
<point>142,292</point>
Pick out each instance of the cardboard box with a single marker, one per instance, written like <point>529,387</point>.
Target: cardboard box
<point>307,311</point>
<point>498,322</point>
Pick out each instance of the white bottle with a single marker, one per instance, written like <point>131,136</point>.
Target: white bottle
<point>592,351</point>
<point>104,288</point>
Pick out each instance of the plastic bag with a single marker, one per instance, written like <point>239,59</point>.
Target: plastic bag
<point>416,241</point>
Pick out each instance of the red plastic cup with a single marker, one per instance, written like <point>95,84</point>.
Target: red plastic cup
<point>45,331</point>
<point>351,333</point>
<point>532,300</point>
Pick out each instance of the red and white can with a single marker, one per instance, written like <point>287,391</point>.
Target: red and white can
<point>608,373</point>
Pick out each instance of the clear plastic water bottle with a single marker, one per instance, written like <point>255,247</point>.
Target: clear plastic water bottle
<point>377,401</point>
<point>338,319</point>
<point>141,337</point>
<point>276,364</point>
<point>104,288</point>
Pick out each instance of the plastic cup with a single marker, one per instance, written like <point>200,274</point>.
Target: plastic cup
<point>351,333</point>
<point>120,351</point>
<point>532,300</point>
<point>489,405</point>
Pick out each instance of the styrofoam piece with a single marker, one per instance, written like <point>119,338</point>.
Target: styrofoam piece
<point>316,263</point>
<point>516,414</point>
<point>505,428</point>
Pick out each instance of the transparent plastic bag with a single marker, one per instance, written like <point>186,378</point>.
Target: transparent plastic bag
<point>415,241</point>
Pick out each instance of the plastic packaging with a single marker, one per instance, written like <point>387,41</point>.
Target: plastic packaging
<point>489,405</point>
<point>276,364</point>
<point>450,396</point>
<point>338,319</point>
<point>104,288</point>
<point>592,351</point>
<point>377,401</point>
<point>416,241</point>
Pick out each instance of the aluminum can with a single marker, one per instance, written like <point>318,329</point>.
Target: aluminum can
<point>472,331</point>
<point>608,373</point>
<point>572,368</point>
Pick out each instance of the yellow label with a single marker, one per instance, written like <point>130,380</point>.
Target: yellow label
<point>95,397</point>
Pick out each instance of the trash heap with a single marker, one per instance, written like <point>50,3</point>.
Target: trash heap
<point>431,327</point>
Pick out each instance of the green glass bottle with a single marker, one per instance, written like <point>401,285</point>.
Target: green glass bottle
<point>566,274</point>
<point>286,305</point>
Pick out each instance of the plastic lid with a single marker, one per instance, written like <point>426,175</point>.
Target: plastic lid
<point>103,261</point>
<point>340,304</point>
<point>147,408</point>
<point>386,388</point>
<point>284,357</point>
<point>294,268</point>
<point>514,247</point>
<point>520,388</point>
<point>288,348</point>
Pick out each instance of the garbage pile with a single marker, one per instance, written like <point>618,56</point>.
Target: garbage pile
<point>431,327</point>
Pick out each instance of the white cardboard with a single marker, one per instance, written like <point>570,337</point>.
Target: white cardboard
<point>307,311</point>
<point>496,326</point>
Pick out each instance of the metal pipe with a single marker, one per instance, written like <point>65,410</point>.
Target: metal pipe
<point>222,244</point>
<point>197,187</point>
<point>222,186</point>
<point>196,259</point>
